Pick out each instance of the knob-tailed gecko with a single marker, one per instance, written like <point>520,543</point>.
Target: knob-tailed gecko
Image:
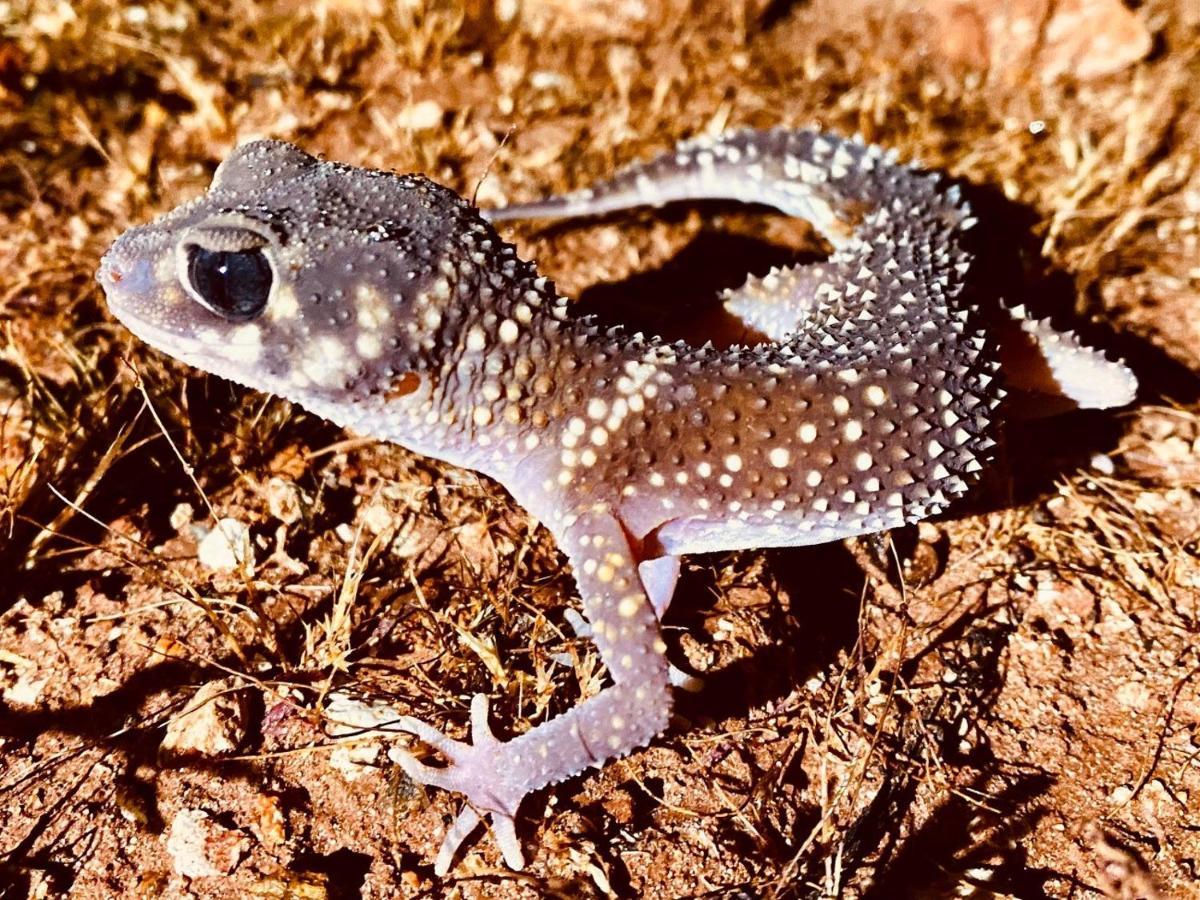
<point>389,305</point>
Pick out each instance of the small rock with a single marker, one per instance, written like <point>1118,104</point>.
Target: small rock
<point>284,884</point>
<point>226,547</point>
<point>1134,695</point>
<point>420,116</point>
<point>358,724</point>
<point>212,725</point>
<point>1120,795</point>
<point>200,847</point>
<point>1082,38</point>
<point>377,518</point>
<point>271,824</point>
<point>283,500</point>
<point>181,516</point>
<point>26,691</point>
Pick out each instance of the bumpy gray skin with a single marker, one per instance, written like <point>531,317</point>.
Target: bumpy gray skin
<point>396,310</point>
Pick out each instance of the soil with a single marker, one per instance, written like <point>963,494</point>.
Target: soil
<point>1003,702</point>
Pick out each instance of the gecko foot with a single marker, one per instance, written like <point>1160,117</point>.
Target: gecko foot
<point>476,770</point>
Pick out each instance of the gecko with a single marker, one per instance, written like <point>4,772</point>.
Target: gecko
<point>391,306</point>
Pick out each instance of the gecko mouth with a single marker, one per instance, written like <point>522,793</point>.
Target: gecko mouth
<point>175,330</point>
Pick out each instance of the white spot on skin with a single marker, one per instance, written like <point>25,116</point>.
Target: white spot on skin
<point>371,309</point>
<point>509,332</point>
<point>283,304</point>
<point>597,408</point>
<point>863,462</point>
<point>244,344</point>
<point>248,333</point>
<point>733,462</point>
<point>326,361</point>
<point>368,345</point>
<point>853,430</point>
<point>779,457</point>
<point>476,338</point>
<point>813,478</point>
<point>841,405</point>
<point>875,395</point>
<point>808,432</point>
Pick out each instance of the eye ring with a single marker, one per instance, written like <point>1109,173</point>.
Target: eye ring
<point>235,283</point>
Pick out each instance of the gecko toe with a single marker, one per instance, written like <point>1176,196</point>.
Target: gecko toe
<point>448,747</point>
<point>420,772</point>
<point>505,829</point>
<point>462,827</point>
<point>481,729</point>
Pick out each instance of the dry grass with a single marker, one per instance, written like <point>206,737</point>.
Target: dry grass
<point>1017,712</point>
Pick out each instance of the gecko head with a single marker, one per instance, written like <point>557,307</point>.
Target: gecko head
<point>320,282</point>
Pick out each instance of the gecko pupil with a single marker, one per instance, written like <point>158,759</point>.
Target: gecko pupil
<point>232,283</point>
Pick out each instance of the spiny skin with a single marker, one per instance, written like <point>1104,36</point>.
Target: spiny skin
<point>746,166</point>
<point>387,304</point>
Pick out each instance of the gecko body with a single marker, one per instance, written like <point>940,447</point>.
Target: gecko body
<point>389,305</point>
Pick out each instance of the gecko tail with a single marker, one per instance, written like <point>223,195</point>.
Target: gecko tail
<point>1039,359</point>
<point>825,179</point>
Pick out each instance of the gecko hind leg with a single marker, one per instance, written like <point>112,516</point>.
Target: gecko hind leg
<point>496,776</point>
<point>659,577</point>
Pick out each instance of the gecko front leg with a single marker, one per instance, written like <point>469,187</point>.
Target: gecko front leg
<point>495,776</point>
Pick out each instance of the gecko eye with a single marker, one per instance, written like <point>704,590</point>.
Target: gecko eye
<point>234,284</point>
